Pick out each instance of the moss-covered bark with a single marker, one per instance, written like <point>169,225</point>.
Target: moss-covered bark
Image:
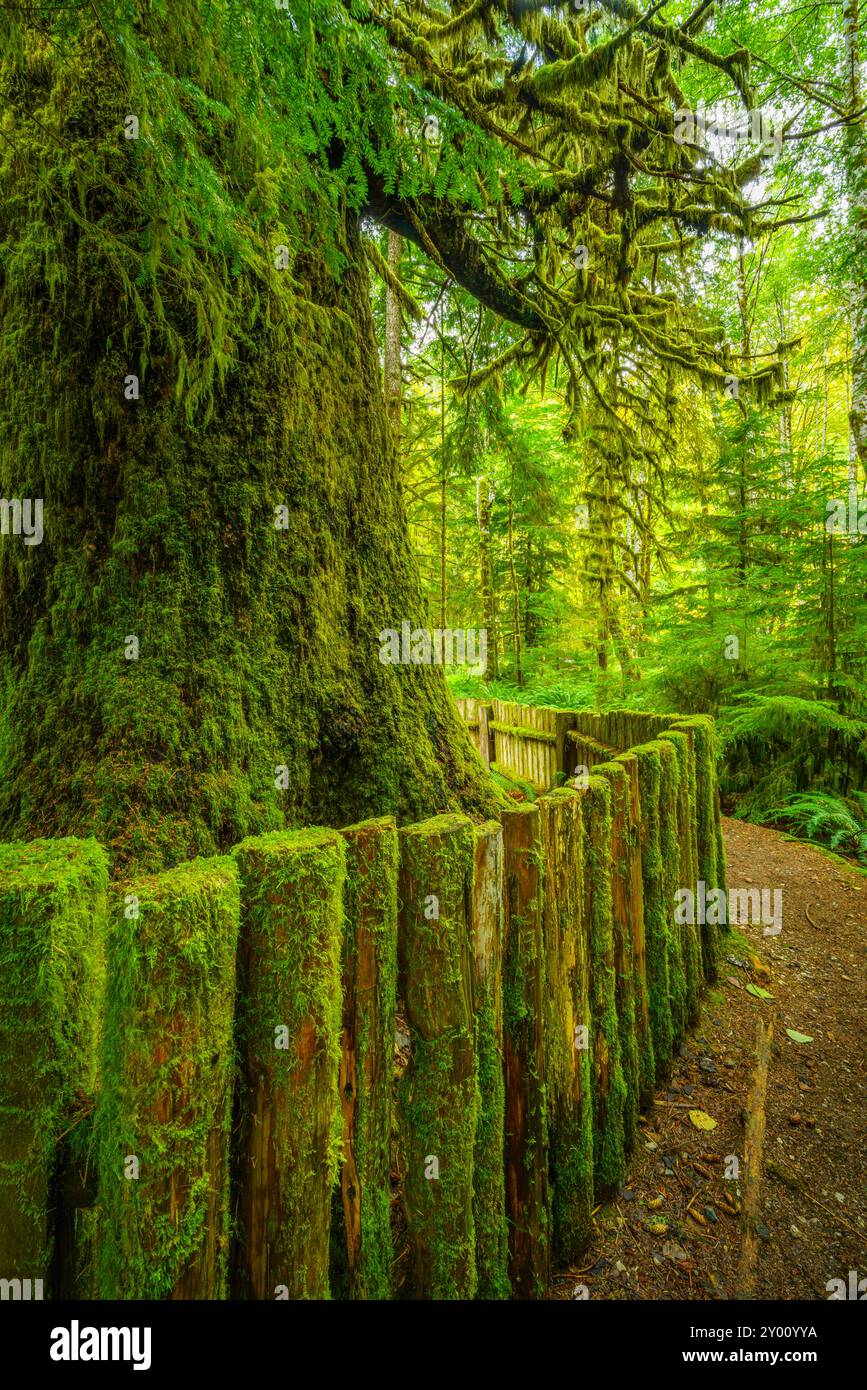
<point>362,1246</point>
<point>52,975</point>
<point>165,1107</point>
<point>526,1123</point>
<point>289,1132</point>
<point>489,1195</point>
<point>257,697</point>
<point>568,1023</point>
<point>438,1095</point>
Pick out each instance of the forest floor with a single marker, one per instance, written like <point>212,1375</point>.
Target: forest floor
<point>674,1230</point>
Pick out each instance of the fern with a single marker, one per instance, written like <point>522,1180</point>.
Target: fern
<point>826,820</point>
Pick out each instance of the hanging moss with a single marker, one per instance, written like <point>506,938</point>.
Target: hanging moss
<point>609,1086</point>
<point>52,974</point>
<point>361,1234</point>
<point>165,1109</point>
<point>289,1131</point>
<point>568,1073</point>
<point>438,1095</point>
<point>489,1195</point>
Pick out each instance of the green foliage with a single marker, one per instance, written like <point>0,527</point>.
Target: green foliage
<point>826,820</point>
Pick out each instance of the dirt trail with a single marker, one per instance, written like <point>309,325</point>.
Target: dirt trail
<point>813,1209</point>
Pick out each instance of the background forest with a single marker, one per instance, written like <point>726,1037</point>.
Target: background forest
<point>683,548</point>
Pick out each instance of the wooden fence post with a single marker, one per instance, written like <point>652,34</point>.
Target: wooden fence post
<point>688,933</point>
<point>658,910</point>
<point>711,857</point>
<point>526,1126</point>
<point>438,1095</point>
<point>609,1087</point>
<point>164,1117</point>
<point>362,1247</point>
<point>489,1196</point>
<point>567,1023</point>
<point>289,1019</point>
<point>52,971</point>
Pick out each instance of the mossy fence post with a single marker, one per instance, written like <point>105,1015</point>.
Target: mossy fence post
<point>288,1031</point>
<point>609,1086</point>
<point>489,1193</point>
<point>687,933</point>
<point>438,1095</point>
<point>711,854</point>
<point>526,1124</point>
<point>164,1116</point>
<point>658,911</point>
<point>361,1232</point>
<point>567,1022</point>
<point>52,970</point>
<point>624,847</point>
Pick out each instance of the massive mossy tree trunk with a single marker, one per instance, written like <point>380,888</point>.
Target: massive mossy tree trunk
<point>192,653</point>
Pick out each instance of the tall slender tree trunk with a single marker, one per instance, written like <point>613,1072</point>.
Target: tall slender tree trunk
<point>392,377</point>
<point>484,502</point>
<point>855,160</point>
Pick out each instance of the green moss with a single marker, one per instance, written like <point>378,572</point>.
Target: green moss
<point>167,1085</point>
<point>623,850</point>
<point>362,1245</point>
<point>438,1095</point>
<point>489,1197</point>
<point>290,1132</point>
<point>609,1085</point>
<point>658,908</point>
<point>52,975</point>
<point>524,992</point>
<point>568,1072</point>
<point>687,934</point>
<point>711,859</point>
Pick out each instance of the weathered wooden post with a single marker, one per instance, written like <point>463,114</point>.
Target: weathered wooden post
<point>711,854</point>
<point>361,1234</point>
<point>623,908</point>
<point>658,910</point>
<point>52,972</point>
<point>288,1029</point>
<point>526,1124</point>
<point>489,1196</point>
<point>438,1095</point>
<point>164,1116</point>
<point>688,933</point>
<point>609,1087</point>
<point>567,1022</point>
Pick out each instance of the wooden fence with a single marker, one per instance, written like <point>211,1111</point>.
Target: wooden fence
<point>202,1093</point>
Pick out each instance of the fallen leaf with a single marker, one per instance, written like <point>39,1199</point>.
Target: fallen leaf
<point>702,1120</point>
<point>798,1037</point>
<point>758,992</point>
